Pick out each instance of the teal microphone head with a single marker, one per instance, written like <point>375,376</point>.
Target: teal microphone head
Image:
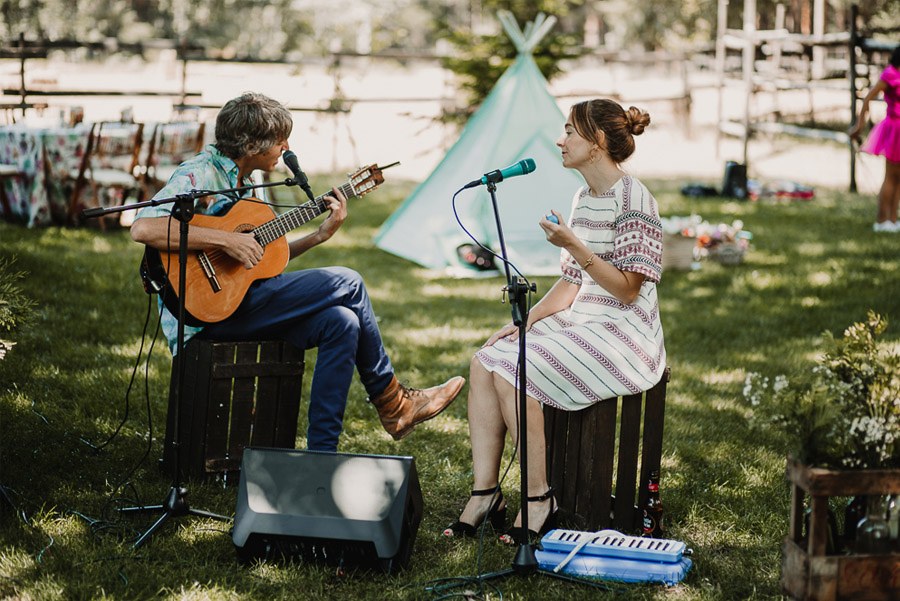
<point>527,166</point>
<point>523,167</point>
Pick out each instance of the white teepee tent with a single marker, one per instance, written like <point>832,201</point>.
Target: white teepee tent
<point>519,119</point>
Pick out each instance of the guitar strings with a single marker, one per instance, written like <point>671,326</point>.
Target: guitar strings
<point>272,230</point>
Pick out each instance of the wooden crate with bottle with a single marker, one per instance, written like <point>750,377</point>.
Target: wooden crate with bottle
<point>812,566</point>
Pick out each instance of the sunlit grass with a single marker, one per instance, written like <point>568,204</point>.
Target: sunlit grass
<point>813,266</point>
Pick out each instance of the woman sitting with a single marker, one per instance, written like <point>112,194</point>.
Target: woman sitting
<point>595,335</point>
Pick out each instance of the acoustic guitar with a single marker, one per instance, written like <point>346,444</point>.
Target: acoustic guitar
<point>215,283</point>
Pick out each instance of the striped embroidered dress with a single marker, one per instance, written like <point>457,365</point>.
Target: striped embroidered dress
<point>599,347</point>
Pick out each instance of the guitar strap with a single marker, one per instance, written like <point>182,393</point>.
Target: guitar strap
<point>156,281</point>
<point>153,276</point>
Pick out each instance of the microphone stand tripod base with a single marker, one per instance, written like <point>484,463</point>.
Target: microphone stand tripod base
<point>175,505</point>
<point>526,564</point>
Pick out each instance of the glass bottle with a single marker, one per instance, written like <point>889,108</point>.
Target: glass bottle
<point>833,543</point>
<point>652,511</point>
<point>893,518</point>
<point>873,535</point>
<point>853,513</point>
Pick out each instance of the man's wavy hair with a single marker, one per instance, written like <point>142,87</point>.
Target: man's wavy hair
<point>250,124</point>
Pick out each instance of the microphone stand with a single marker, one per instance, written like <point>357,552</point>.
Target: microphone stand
<point>517,289</point>
<point>175,503</point>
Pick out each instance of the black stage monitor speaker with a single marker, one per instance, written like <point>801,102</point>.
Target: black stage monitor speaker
<point>344,509</point>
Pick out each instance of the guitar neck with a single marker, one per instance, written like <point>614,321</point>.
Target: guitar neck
<point>276,228</point>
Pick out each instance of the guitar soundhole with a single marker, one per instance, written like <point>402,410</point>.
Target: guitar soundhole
<point>245,227</point>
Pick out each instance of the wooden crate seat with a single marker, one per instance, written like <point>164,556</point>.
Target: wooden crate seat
<point>237,394</point>
<point>590,451</point>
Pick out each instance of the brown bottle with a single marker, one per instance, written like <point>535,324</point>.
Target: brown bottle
<point>652,511</point>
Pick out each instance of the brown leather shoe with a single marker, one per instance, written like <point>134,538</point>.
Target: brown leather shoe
<point>401,408</point>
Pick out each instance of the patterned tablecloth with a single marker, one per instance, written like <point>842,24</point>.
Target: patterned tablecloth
<point>49,159</point>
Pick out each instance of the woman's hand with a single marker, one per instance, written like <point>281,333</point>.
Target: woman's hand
<point>510,331</point>
<point>558,234</point>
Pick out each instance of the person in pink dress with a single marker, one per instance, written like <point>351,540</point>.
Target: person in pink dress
<point>884,140</point>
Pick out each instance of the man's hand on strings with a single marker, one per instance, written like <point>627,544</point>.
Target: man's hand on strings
<point>337,204</point>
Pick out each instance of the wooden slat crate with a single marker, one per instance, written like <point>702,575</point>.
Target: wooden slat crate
<point>237,394</point>
<point>806,571</point>
<point>584,459</point>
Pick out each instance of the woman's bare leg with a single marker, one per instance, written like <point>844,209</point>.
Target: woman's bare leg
<point>487,432</point>
<point>537,458</point>
<point>887,206</point>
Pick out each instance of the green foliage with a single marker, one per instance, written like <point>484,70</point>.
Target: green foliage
<point>15,306</point>
<point>481,59</point>
<point>273,29</point>
<point>844,412</point>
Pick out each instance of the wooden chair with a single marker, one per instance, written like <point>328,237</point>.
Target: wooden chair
<point>107,171</point>
<point>585,458</point>
<point>63,160</point>
<point>8,173</point>
<point>170,144</point>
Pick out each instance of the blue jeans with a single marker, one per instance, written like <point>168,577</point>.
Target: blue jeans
<point>327,308</point>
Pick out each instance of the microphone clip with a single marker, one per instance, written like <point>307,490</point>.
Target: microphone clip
<point>492,177</point>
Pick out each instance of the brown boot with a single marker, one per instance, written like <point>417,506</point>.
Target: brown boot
<point>401,408</point>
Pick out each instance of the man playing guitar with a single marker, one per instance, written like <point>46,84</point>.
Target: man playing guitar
<point>328,308</point>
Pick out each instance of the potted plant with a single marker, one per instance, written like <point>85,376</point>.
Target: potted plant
<point>844,413</point>
<point>843,421</point>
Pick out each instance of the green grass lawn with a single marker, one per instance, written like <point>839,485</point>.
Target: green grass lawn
<point>813,266</point>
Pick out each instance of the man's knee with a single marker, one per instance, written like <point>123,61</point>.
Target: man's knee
<point>349,277</point>
<point>340,322</point>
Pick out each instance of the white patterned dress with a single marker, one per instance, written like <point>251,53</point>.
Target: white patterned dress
<point>599,347</point>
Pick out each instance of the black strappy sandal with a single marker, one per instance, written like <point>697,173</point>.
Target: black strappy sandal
<point>516,535</point>
<point>496,515</point>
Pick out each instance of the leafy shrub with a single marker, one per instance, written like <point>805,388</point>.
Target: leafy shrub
<point>844,413</point>
<point>15,307</point>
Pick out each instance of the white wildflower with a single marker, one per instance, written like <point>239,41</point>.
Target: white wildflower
<point>781,382</point>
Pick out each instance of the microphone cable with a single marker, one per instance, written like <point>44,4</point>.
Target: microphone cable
<point>125,480</point>
<point>482,246</point>
<point>134,370</point>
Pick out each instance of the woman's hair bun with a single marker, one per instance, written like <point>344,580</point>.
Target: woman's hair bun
<point>637,120</point>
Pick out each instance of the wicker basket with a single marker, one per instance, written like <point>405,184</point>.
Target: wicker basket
<point>727,253</point>
<point>678,251</point>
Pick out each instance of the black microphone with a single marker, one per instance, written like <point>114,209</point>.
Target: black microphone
<point>523,167</point>
<point>300,179</point>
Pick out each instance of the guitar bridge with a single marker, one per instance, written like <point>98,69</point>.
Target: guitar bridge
<point>209,271</point>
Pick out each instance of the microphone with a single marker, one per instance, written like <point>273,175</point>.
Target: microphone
<point>300,179</point>
<point>523,167</point>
